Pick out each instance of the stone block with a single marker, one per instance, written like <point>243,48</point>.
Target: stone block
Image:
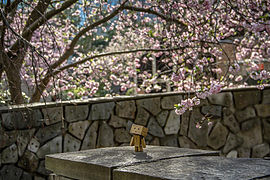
<point>51,147</point>
<point>150,104</point>
<point>184,123</point>
<point>244,99</point>
<point>198,136</point>
<point>42,170</point>
<point>48,132</point>
<point>142,117</point>
<point>26,176</point>
<point>22,119</point>
<point>101,111</point>
<point>266,130</point>
<point>126,109</point>
<point>168,102</point>
<point>76,113</point>
<point>231,123</point>
<point>162,118</point>
<point>10,154</point>
<point>155,142</point>
<point>122,136</point>
<point>222,99</point>
<point>90,138</point>
<point>39,178</point>
<point>196,167</point>
<point>212,110</point>
<point>169,141</point>
<point>29,161</point>
<point>105,137</point>
<point>98,164</point>
<point>253,136</point>
<point>260,150</point>
<point>154,128</point>
<point>243,152</point>
<point>232,154</point>
<point>10,172</point>
<point>7,138</point>
<point>185,142</point>
<point>52,115</point>
<point>245,114</point>
<point>218,136</point>
<point>173,123</point>
<point>78,129</point>
<point>263,110</point>
<point>148,138</point>
<point>71,143</point>
<point>117,122</point>
<point>33,146</point>
<point>247,125</point>
<point>23,140</point>
<point>233,141</point>
<point>266,96</point>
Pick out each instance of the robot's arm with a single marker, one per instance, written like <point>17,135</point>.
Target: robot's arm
<point>132,142</point>
<point>143,143</point>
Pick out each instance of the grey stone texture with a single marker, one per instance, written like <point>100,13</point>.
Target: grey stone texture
<point>154,128</point>
<point>173,123</point>
<point>22,119</point>
<point>11,172</point>
<point>33,145</point>
<point>96,164</point>
<point>231,123</point>
<point>117,122</point>
<point>162,118</point>
<point>184,123</point>
<point>253,136</point>
<point>101,111</point>
<point>48,132</point>
<point>222,99</point>
<point>185,142</point>
<point>51,147</point>
<point>169,141</point>
<point>198,136</point>
<point>105,137</point>
<point>168,102</point>
<point>71,143</point>
<point>29,161</point>
<point>90,138</point>
<point>260,150</point>
<point>10,154</point>
<point>196,167</point>
<point>126,109</point>
<point>245,114</point>
<point>150,104</point>
<point>218,136</point>
<point>266,130</point>
<point>52,115</point>
<point>232,154</point>
<point>266,96</point>
<point>122,135</point>
<point>232,142</point>
<point>212,110</point>
<point>243,152</point>
<point>142,117</point>
<point>246,98</point>
<point>78,129</point>
<point>76,113</point>
<point>263,110</point>
<point>23,138</point>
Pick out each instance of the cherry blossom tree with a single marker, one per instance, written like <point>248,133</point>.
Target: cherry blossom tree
<point>196,45</point>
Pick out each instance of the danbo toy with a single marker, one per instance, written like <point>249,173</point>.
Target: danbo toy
<point>139,133</point>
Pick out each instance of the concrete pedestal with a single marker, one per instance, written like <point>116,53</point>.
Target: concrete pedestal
<point>157,162</point>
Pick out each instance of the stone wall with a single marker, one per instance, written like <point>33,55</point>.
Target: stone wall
<point>241,127</point>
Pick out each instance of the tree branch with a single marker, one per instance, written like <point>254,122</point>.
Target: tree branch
<point>132,8</point>
<point>40,21</point>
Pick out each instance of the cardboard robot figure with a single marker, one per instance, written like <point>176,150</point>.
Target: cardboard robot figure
<point>139,133</point>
